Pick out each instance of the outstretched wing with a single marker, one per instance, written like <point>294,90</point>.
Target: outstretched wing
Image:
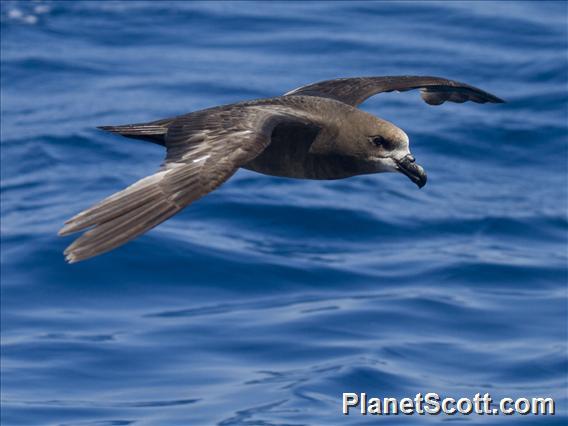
<point>434,90</point>
<point>204,149</point>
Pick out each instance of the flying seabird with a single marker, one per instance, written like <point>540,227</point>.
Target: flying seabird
<point>313,132</point>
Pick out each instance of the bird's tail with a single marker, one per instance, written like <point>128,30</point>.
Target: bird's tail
<point>154,132</point>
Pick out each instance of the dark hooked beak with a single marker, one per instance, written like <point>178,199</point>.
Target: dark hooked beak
<point>414,172</point>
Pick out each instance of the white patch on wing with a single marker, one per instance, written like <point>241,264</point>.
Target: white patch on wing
<point>171,165</point>
<point>291,92</point>
<point>205,157</point>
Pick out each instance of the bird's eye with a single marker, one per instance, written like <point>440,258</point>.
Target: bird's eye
<point>378,140</point>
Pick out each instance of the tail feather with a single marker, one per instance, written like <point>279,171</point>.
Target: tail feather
<point>150,132</point>
<point>119,218</point>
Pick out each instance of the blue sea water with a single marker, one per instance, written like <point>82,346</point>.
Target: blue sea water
<point>263,302</point>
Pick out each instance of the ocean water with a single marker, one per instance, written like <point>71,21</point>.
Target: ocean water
<point>266,300</point>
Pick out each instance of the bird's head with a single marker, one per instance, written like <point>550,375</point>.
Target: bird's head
<point>376,145</point>
<point>386,147</point>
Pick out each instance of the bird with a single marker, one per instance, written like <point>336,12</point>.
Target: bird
<point>315,131</point>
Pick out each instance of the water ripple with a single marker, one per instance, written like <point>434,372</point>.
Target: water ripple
<point>267,299</point>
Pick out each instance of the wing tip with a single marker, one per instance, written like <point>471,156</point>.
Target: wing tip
<point>70,255</point>
<point>491,99</point>
<point>71,259</point>
<point>438,97</point>
<point>67,229</point>
<point>74,224</point>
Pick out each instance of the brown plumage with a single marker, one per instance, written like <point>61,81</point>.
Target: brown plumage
<point>313,132</point>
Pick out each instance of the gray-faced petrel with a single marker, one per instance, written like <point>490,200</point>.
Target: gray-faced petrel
<point>313,132</point>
